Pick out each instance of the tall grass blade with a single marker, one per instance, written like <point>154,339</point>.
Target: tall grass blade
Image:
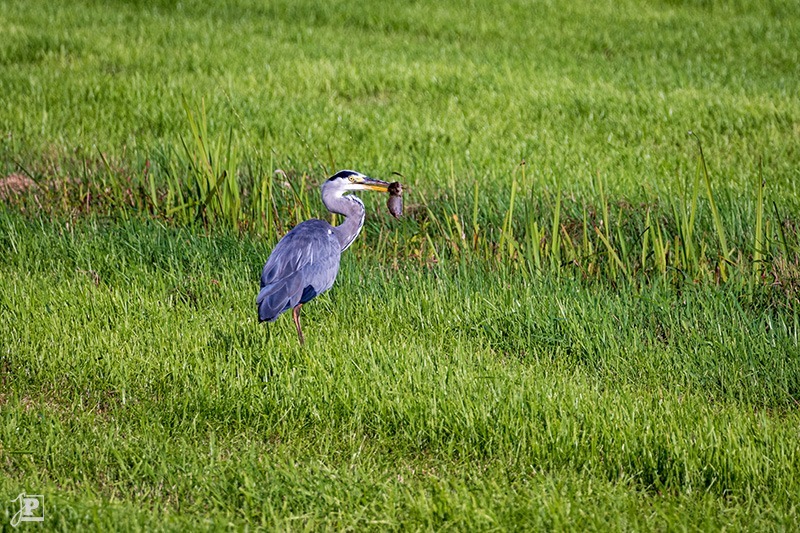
<point>779,222</point>
<point>475,226</point>
<point>507,234</point>
<point>723,241</point>
<point>758,244</point>
<point>555,242</point>
<point>645,241</point>
<point>611,252</point>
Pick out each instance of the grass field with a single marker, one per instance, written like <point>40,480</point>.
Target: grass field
<point>604,337</point>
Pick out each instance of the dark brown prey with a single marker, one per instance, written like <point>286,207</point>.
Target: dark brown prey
<point>395,201</point>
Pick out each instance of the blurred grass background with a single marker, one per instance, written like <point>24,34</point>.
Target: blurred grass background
<point>578,89</point>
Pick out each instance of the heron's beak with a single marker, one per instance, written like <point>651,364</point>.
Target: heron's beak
<point>371,184</point>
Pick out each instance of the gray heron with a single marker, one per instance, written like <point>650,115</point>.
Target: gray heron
<point>305,261</point>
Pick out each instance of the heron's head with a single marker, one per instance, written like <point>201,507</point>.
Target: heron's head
<point>350,180</point>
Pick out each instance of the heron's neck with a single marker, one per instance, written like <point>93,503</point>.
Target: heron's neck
<point>353,209</point>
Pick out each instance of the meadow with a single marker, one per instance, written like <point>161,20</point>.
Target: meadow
<point>586,320</point>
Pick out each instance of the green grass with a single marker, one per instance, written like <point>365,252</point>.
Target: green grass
<point>143,388</point>
<point>604,337</point>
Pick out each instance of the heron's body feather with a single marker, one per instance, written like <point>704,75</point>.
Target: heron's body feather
<point>303,264</point>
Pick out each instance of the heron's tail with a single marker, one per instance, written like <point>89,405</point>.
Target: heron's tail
<point>265,311</point>
<point>272,300</point>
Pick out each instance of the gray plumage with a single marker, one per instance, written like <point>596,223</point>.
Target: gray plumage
<point>304,263</point>
<point>306,260</point>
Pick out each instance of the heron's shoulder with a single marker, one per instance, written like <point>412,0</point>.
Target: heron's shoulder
<point>313,229</point>
<point>316,232</point>
<point>313,225</point>
<point>309,243</point>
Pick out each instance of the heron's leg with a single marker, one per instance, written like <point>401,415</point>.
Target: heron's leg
<point>296,316</point>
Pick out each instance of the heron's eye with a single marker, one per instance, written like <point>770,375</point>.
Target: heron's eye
<point>352,179</point>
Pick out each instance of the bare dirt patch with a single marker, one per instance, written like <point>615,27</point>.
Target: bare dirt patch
<point>15,185</point>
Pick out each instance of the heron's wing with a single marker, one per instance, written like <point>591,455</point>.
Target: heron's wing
<point>303,264</point>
